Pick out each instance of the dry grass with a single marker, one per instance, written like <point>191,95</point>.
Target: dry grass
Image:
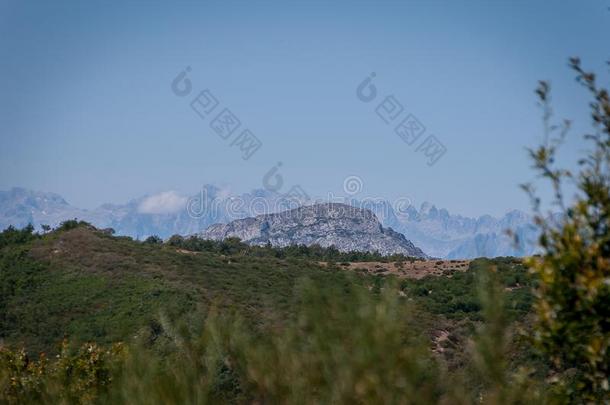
<point>415,270</point>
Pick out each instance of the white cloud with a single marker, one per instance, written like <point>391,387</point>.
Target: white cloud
<point>166,202</point>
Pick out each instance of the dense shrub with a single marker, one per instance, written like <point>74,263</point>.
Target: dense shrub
<point>73,376</point>
<point>11,236</point>
<point>573,294</point>
<point>234,246</point>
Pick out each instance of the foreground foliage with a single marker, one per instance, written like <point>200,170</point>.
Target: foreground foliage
<point>348,346</point>
<point>573,294</point>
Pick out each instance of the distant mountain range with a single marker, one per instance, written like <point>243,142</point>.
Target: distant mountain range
<point>440,234</point>
<point>435,231</point>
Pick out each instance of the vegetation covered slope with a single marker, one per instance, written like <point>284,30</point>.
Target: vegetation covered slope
<point>85,285</point>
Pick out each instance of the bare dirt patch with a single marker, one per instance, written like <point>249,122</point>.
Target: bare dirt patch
<point>416,269</point>
<point>186,252</point>
<point>439,338</point>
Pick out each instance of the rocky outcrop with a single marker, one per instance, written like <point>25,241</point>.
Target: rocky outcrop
<point>345,227</point>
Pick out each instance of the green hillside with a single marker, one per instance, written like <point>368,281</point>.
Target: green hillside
<point>81,286</point>
<point>84,285</point>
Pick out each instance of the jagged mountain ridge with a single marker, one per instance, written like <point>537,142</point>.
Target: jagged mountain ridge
<point>441,234</point>
<point>343,226</point>
<point>437,232</point>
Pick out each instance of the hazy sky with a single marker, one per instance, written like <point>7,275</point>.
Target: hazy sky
<point>87,108</point>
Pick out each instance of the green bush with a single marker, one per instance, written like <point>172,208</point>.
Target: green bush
<point>73,376</point>
<point>573,295</point>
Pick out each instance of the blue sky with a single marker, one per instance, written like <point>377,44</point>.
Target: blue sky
<point>87,110</point>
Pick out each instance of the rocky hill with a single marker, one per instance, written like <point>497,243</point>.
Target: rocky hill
<point>345,227</point>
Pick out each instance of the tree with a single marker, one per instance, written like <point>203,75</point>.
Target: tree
<point>176,241</point>
<point>573,293</point>
<point>154,240</point>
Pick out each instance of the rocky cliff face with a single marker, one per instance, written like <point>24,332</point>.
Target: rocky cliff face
<point>345,227</point>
